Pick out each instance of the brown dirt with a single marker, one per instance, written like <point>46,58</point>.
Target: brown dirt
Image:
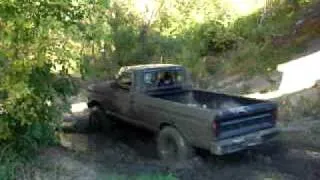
<point>130,151</point>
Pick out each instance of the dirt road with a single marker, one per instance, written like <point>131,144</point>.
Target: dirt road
<point>127,151</point>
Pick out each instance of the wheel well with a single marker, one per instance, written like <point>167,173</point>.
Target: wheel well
<point>163,125</point>
<point>93,103</point>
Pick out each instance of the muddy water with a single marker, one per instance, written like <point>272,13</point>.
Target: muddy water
<point>75,141</point>
<point>128,150</point>
<point>121,137</point>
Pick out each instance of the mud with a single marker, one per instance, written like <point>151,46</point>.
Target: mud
<point>131,151</point>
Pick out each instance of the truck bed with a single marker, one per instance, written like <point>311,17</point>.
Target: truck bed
<point>235,116</point>
<point>206,100</point>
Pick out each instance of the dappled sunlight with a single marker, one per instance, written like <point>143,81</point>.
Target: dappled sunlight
<point>146,8</point>
<point>149,9</point>
<point>298,74</point>
<point>246,7</point>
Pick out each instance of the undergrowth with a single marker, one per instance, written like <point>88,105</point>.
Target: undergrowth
<point>17,154</point>
<point>220,45</point>
<point>262,46</point>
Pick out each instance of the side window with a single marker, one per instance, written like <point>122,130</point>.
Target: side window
<point>150,79</point>
<point>125,80</point>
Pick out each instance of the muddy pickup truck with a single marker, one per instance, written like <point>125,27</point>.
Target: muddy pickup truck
<point>160,97</point>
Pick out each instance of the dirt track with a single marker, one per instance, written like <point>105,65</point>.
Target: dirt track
<point>130,151</point>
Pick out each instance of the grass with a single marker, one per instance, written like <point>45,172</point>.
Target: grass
<point>8,165</point>
<point>252,59</point>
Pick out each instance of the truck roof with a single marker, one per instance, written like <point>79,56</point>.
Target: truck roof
<point>150,66</point>
<point>147,66</point>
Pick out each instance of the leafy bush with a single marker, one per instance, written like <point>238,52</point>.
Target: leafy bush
<point>35,72</point>
<point>217,37</point>
<point>37,50</point>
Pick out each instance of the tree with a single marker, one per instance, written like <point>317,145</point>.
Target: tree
<point>38,50</point>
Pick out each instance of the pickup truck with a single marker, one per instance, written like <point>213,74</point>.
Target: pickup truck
<point>160,98</point>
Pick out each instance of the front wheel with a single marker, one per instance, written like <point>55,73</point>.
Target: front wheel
<point>172,146</point>
<point>98,119</point>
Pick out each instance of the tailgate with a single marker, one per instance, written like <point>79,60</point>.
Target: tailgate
<point>245,120</point>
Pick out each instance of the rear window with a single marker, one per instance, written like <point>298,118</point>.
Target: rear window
<point>165,78</point>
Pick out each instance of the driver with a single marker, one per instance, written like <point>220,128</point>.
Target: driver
<point>166,80</point>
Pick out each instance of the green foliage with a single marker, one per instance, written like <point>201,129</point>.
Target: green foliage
<point>37,48</point>
<point>8,166</point>
<point>165,33</point>
<point>37,51</point>
<point>214,37</point>
<point>185,33</point>
<point>278,21</point>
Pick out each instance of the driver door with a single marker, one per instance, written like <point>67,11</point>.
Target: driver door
<point>123,101</point>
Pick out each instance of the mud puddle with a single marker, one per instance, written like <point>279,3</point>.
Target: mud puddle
<point>129,150</point>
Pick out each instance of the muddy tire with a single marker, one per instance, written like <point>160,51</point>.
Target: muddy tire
<point>172,146</point>
<point>98,120</point>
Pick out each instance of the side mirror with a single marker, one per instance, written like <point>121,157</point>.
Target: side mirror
<point>116,77</point>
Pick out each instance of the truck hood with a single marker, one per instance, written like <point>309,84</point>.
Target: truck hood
<point>100,87</point>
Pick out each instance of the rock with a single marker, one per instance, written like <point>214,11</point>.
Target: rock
<point>313,45</point>
<point>229,80</point>
<point>299,105</point>
<point>310,22</point>
<point>310,96</point>
<point>275,79</point>
<point>230,90</point>
<point>258,84</point>
<point>275,76</point>
<point>299,22</point>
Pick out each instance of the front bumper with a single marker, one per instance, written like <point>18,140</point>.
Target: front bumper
<point>239,143</point>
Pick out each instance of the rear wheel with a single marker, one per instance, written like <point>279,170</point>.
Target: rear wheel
<point>98,119</point>
<point>172,146</point>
